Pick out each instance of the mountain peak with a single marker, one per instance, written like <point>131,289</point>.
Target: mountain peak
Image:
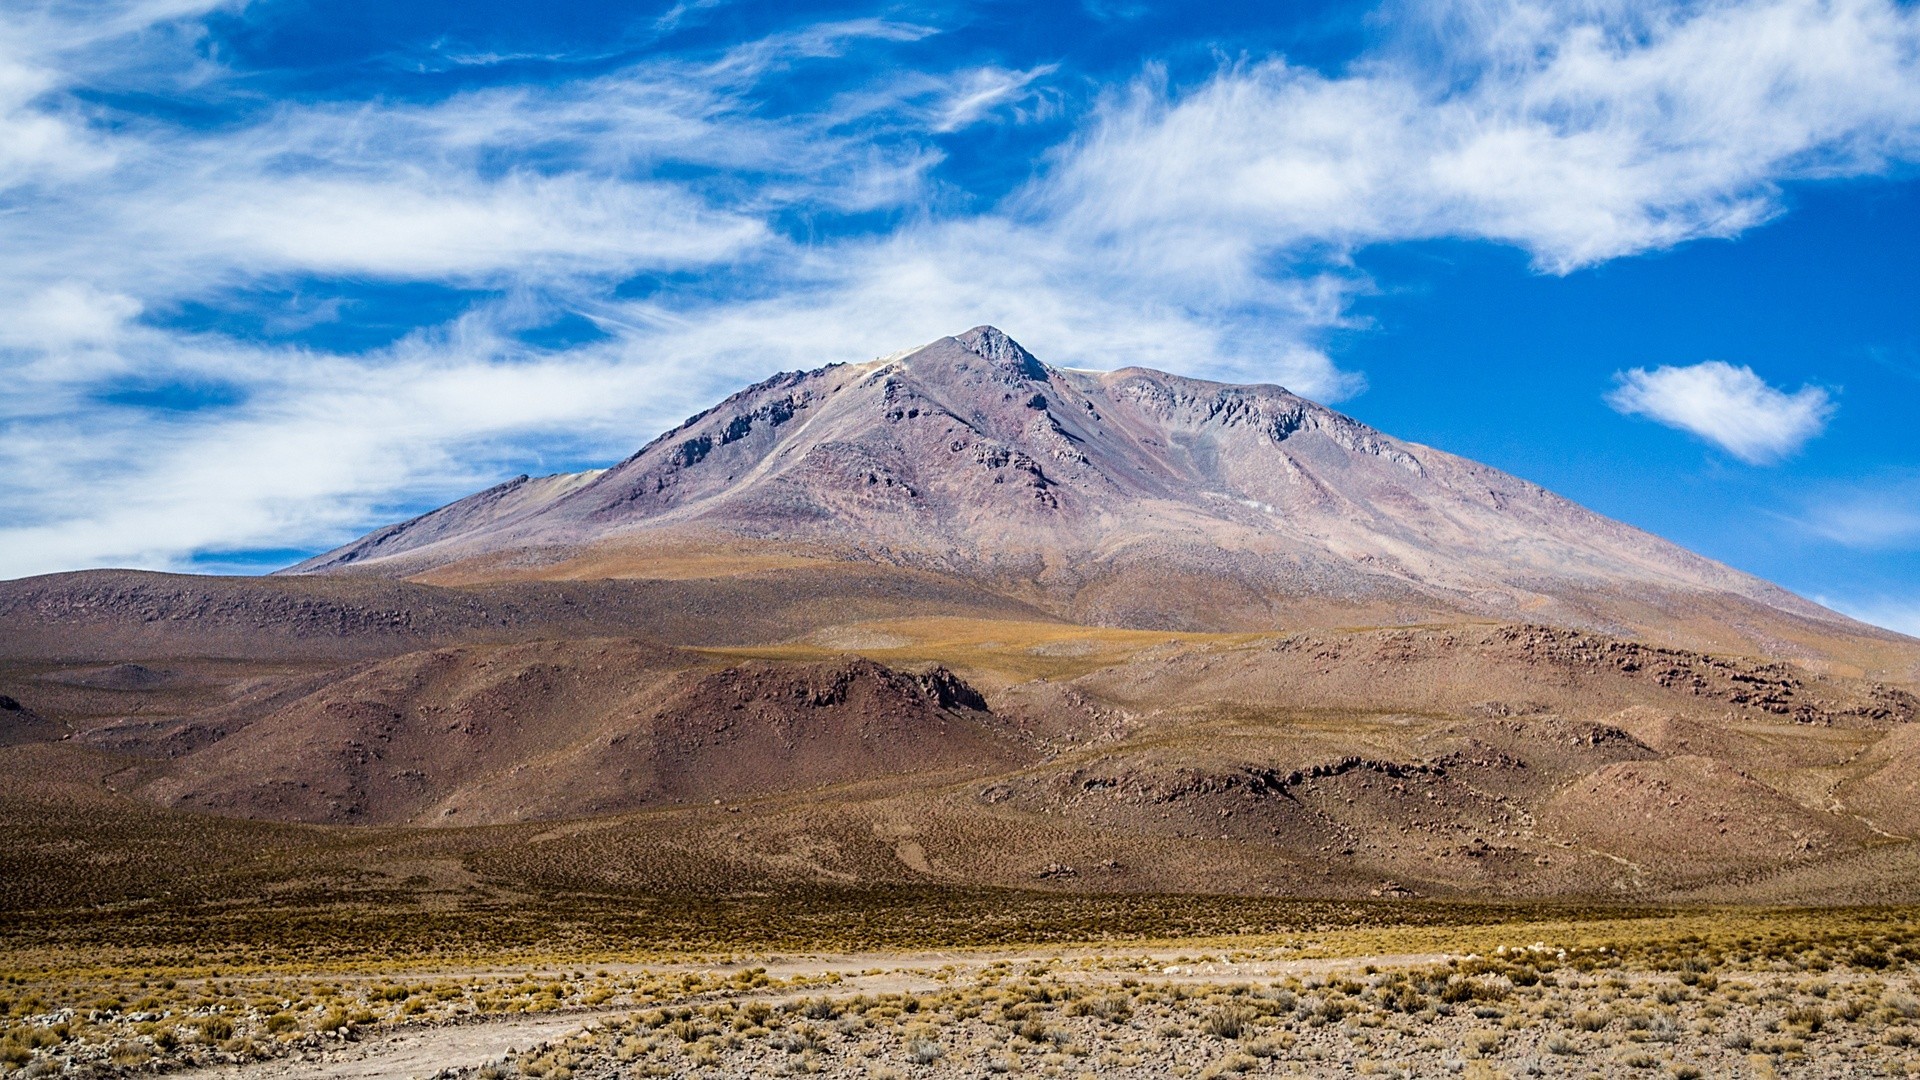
<point>992,343</point>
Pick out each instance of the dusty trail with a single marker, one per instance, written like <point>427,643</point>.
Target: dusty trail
<point>413,1052</point>
<point>425,1051</point>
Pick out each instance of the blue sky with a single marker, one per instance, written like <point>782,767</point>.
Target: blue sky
<point>274,273</point>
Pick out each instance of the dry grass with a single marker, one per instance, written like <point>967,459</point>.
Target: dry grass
<point>1010,649</point>
<point>1005,1021</point>
<point>1641,993</point>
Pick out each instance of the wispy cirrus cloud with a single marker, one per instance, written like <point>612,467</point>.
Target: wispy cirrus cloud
<point>1892,613</point>
<point>982,91</point>
<point>1728,406</point>
<point>716,215</point>
<point>1866,524</point>
<point>1880,513</point>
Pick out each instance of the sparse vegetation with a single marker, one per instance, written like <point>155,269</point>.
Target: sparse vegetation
<point>1591,990</point>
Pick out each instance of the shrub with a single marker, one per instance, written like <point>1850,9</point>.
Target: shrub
<point>1234,1063</point>
<point>1331,1011</point>
<point>1227,1023</point>
<point>1589,1020</point>
<point>690,1031</point>
<point>1866,957</point>
<point>1810,1017</point>
<point>1463,989</point>
<point>339,1017</point>
<point>1113,1008</point>
<point>1402,997</point>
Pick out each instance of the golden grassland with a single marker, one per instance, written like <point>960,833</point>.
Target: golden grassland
<point>1011,649</point>
<point>684,984</point>
<point>366,929</point>
<point>616,562</point>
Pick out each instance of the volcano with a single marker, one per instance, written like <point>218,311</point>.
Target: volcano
<point>1128,498</point>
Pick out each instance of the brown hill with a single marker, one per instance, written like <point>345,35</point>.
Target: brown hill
<point>133,615</point>
<point>1512,760</point>
<point>766,728</point>
<point>550,730</point>
<point>19,724</point>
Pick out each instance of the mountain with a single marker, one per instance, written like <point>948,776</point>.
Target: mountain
<point>959,619</point>
<point>1129,497</point>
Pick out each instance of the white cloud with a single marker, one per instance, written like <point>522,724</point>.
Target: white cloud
<point>495,188</point>
<point>44,47</point>
<point>1883,514</point>
<point>1065,303</point>
<point>1731,407</point>
<point>319,444</point>
<point>1868,526</point>
<point>1206,230</point>
<point>65,315</point>
<point>980,92</point>
<point>39,143</point>
<point>427,227</point>
<point>1892,613</point>
<point>1578,132</point>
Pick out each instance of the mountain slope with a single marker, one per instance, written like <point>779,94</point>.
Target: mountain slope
<point>1449,760</point>
<point>555,729</point>
<point>1129,497</point>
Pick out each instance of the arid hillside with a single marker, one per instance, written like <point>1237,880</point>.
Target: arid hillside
<point>1438,760</point>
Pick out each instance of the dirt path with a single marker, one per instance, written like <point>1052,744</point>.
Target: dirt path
<point>411,1052</point>
<point>424,1051</point>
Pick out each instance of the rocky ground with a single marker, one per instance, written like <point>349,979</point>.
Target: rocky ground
<point>1426,1021</point>
<point>1686,1006</point>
